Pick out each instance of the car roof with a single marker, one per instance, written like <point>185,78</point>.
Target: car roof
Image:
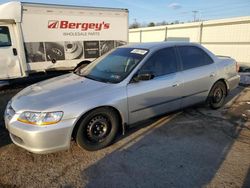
<point>156,45</point>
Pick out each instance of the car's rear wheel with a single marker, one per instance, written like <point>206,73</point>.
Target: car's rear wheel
<point>97,129</point>
<point>217,95</point>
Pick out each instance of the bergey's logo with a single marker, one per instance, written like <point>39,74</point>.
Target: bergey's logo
<point>84,26</point>
<point>53,24</point>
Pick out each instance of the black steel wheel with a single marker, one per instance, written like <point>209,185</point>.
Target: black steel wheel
<point>97,129</point>
<point>217,95</point>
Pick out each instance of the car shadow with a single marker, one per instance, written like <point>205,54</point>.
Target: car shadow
<point>135,127</point>
<point>183,150</point>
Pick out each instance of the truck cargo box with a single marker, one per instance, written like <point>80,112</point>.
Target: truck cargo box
<point>41,37</point>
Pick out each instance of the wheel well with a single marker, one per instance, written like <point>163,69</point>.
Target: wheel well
<point>73,135</point>
<point>223,81</point>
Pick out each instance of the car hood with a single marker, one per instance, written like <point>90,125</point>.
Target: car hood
<point>55,92</point>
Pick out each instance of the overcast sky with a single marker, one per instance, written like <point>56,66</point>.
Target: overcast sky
<point>145,11</point>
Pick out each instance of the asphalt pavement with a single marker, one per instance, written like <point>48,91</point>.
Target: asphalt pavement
<point>195,147</point>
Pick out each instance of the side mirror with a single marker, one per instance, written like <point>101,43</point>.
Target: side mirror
<point>143,76</point>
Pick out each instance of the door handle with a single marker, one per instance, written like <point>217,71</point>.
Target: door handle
<point>175,85</point>
<point>14,51</point>
<point>212,74</point>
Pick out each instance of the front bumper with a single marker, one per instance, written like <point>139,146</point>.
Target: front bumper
<point>37,139</point>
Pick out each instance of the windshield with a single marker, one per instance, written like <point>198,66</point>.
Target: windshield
<point>115,66</point>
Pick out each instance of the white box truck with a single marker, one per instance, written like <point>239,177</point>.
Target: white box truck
<point>42,37</point>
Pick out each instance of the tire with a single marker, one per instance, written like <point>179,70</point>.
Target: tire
<point>217,95</point>
<point>97,129</point>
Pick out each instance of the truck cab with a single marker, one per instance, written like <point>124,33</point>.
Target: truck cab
<point>12,61</point>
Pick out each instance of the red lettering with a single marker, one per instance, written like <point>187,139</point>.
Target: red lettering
<point>98,27</point>
<point>76,25</point>
<point>91,26</point>
<point>72,25</point>
<point>106,26</point>
<point>85,26</point>
<point>64,24</point>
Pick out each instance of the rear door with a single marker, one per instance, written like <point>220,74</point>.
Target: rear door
<point>9,61</point>
<point>198,74</point>
<point>159,95</point>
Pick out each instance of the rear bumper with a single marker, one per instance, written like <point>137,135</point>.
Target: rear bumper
<point>233,82</point>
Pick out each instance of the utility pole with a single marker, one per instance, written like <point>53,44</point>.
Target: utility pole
<point>195,12</point>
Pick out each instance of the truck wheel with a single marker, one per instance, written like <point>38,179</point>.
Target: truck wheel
<point>97,129</point>
<point>217,95</point>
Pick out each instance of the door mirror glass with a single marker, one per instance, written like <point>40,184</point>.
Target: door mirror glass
<point>143,76</point>
<point>4,36</point>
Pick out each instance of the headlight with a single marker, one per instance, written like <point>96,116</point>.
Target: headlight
<point>40,118</point>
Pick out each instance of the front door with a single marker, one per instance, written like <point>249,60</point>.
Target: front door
<point>9,61</point>
<point>160,94</point>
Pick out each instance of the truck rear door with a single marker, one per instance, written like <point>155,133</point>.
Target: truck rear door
<point>9,61</point>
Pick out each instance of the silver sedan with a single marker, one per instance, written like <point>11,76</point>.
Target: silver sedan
<point>130,84</point>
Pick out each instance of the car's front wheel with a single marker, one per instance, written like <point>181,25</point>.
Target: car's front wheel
<point>97,129</point>
<point>217,95</point>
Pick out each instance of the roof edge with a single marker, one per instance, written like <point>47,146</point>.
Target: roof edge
<point>71,6</point>
<point>11,11</point>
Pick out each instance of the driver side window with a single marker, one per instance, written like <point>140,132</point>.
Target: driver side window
<point>4,36</point>
<point>161,63</point>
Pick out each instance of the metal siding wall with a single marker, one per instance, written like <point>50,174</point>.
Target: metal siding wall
<point>191,33</point>
<point>153,36</point>
<point>134,37</point>
<point>241,53</point>
<point>229,37</point>
<point>226,33</point>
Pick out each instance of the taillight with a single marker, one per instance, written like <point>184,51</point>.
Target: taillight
<point>237,66</point>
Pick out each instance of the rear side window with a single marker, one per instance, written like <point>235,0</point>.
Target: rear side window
<point>192,57</point>
<point>4,36</point>
<point>161,63</point>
